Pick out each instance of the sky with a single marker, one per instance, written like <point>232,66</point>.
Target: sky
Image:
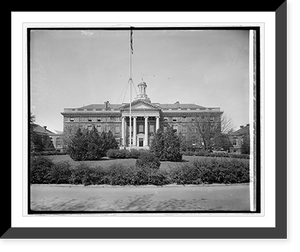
<point>74,68</point>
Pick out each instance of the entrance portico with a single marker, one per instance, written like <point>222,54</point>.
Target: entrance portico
<point>143,128</point>
<point>145,121</point>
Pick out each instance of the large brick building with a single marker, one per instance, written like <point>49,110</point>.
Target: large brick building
<point>146,118</point>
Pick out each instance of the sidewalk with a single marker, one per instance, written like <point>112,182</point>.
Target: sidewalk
<point>141,198</point>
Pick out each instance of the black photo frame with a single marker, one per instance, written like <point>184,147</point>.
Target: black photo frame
<point>277,232</point>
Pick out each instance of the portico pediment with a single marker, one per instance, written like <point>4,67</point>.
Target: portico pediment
<point>140,105</point>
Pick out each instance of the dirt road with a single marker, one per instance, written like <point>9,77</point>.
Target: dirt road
<point>141,198</point>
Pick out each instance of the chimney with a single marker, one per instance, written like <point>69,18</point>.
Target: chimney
<point>247,124</point>
<point>45,127</point>
<point>177,102</point>
<point>242,126</point>
<point>106,104</point>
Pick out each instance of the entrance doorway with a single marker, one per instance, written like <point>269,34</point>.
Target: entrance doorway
<point>141,142</point>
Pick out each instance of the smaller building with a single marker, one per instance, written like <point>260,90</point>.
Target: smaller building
<point>238,137</point>
<point>57,140</point>
<point>54,135</point>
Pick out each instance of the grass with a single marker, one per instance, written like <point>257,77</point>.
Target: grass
<point>106,162</point>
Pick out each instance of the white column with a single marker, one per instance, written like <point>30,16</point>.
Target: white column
<point>157,123</point>
<point>134,131</point>
<point>146,131</point>
<point>123,130</point>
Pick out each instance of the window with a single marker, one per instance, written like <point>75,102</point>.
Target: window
<point>117,129</point>
<point>151,128</point>
<point>98,127</point>
<point>141,128</point>
<point>89,119</point>
<point>98,119</point>
<point>175,127</point>
<point>234,142</point>
<point>71,119</point>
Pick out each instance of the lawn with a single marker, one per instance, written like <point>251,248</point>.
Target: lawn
<point>106,162</point>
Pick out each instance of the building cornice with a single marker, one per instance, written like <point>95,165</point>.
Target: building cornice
<point>92,113</point>
<point>188,113</point>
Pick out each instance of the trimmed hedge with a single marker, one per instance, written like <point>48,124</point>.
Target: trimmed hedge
<point>216,154</point>
<point>40,170</point>
<point>211,171</point>
<point>122,153</point>
<point>44,171</point>
<point>147,160</point>
<point>48,153</point>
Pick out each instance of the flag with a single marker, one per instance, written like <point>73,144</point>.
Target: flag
<point>131,41</point>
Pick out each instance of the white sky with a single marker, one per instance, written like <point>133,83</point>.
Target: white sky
<point>72,68</point>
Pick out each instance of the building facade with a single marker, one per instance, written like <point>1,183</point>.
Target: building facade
<point>146,118</point>
<point>55,136</point>
<point>238,137</point>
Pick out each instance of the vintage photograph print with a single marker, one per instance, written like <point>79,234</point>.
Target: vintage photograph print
<point>143,119</point>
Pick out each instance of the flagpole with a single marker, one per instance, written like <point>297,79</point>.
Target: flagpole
<point>130,84</point>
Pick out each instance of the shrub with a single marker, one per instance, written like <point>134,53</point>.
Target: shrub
<point>146,171</point>
<point>148,160</point>
<point>112,153</point>
<point>60,173</point>
<point>122,153</point>
<point>40,170</point>
<point>185,174</point>
<point>166,145</point>
<point>90,145</point>
<point>48,153</point>
<point>117,153</point>
<point>134,153</point>
<point>216,154</point>
<point>223,171</point>
<point>86,175</point>
<point>158,177</point>
<point>211,171</point>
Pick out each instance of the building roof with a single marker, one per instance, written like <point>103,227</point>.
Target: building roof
<point>101,106</point>
<point>176,105</point>
<point>244,130</point>
<point>41,130</point>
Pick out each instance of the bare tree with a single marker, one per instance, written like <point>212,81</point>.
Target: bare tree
<point>226,124</point>
<point>208,129</point>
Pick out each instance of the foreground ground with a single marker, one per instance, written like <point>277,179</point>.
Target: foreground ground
<point>141,198</point>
